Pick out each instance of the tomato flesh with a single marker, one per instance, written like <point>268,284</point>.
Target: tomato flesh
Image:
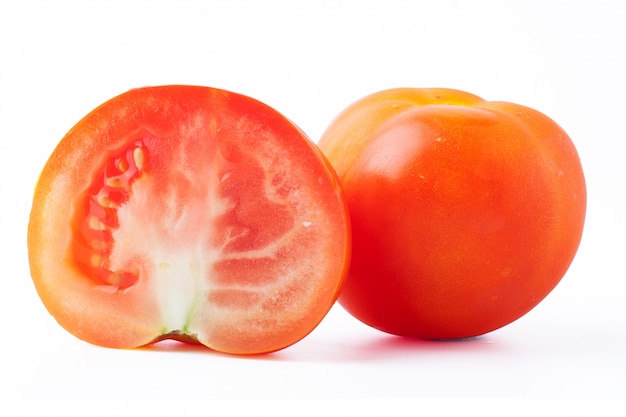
<point>96,217</point>
<point>189,213</point>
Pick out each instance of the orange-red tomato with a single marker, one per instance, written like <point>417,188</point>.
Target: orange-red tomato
<point>465,213</point>
<point>188,213</point>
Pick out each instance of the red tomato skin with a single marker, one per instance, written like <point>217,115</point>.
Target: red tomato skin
<point>465,213</point>
<point>194,138</point>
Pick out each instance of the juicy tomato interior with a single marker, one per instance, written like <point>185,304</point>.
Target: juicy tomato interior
<point>189,213</point>
<point>96,219</point>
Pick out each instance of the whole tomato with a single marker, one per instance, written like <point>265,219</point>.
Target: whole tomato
<point>465,213</point>
<point>188,213</point>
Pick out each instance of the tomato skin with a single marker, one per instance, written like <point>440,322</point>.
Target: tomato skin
<point>465,213</point>
<point>173,212</point>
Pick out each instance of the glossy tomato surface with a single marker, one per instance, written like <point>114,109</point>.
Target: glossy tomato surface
<point>465,213</point>
<point>189,213</point>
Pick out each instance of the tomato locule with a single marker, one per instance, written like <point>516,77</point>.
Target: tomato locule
<point>465,213</point>
<point>189,213</point>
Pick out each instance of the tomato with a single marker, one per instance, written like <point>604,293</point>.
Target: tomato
<point>465,213</point>
<point>188,213</point>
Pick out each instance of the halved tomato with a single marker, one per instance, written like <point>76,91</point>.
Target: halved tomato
<point>189,213</point>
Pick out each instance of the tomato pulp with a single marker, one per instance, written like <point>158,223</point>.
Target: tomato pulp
<point>465,213</point>
<point>189,213</point>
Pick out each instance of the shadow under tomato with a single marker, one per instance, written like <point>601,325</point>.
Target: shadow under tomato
<point>398,344</point>
<point>170,345</point>
<point>390,346</point>
<point>377,346</point>
<point>384,347</point>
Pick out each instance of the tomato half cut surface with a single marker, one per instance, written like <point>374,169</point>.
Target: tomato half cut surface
<point>188,213</point>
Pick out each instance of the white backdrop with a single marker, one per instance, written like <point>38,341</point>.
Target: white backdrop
<point>309,59</point>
